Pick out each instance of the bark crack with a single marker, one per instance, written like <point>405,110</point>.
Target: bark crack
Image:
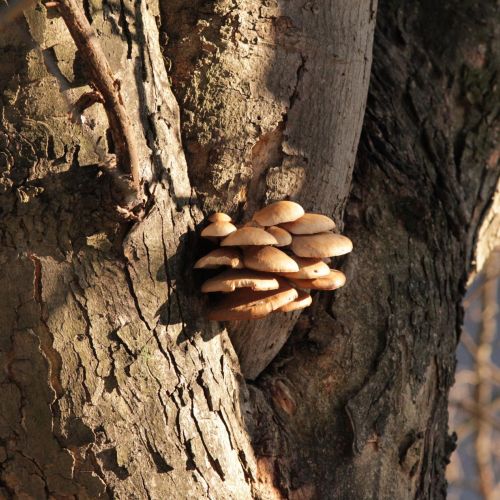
<point>167,272</point>
<point>88,397</point>
<point>86,318</point>
<point>41,474</point>
<point>214,462</point>
<point>45,335</point>
<point>148,257</point>
<point>130,283</point>
<point>125,27</point>
<point>300,73</point>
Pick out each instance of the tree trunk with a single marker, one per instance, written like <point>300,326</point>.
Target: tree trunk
<point>112,383</point>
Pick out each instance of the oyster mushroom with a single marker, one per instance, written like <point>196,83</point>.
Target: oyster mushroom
<point>278,212</point>
<point>282,236</point>
<point>262,278</point>
<point>221,257</point>
<point>308,268</point>
<point>321,245</point>
<point>249,236</point>
<point>309,224</point>
<point>334,280</point>
<point>218,230</point>
<point>268,259</point>
<point>231,279</point>
<point>246,304</point>
<point>219,217</point>
<point>303,300</point>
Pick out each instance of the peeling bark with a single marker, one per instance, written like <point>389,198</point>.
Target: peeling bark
<point>112,383</point>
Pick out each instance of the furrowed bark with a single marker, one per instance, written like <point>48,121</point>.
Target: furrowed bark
<point>112,383</point>
<point>107,392</point>
<point>360,390</point>
<point>369,368</point>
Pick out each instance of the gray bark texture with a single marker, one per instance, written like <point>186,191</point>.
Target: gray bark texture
<point>112,384</point>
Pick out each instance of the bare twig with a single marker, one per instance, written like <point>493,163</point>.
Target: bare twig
<point>484,390</point>
<point>479,413</point>
<point>471,297</point>
<point>103,80</point>
<point>474,409</point>
<point>468,343</point>
<point>465,429</point>
<point>466,377</point>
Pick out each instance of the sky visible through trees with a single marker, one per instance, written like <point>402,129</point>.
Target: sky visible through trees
<point>474,472</point>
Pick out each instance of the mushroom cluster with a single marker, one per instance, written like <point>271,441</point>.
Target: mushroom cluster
<point>273,261</point>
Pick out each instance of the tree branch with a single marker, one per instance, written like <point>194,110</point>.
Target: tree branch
<point>108,86</point>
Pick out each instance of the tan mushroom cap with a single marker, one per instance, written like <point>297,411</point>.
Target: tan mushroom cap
<point>279,212</point>
<point>246,304</point>
<point>283,237</point>
<point>321,245</point>
<point>221,257</point>
<point>334,280</point>
<point>252,223</point>
<point>303,300</point>
<point>219,217</point>
<point>269,259</point>
<point>310,224</point>
<point>231,279</point>
<point>218,229</point>
<point>249,236</point>
<point>308,268</point>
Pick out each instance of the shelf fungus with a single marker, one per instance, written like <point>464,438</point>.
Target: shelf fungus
<point>260,278</point>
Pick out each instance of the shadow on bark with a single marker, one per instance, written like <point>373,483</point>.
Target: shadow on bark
<point>260,123</point>
<point>369,368</point>
<point>380,352</point>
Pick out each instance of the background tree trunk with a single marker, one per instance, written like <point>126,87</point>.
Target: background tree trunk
<point>112,384</point>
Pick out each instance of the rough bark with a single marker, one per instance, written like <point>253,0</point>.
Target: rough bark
<point>370,371</point>
<point>106,390</point>
<point>112,384</point>
<point>272,96</point>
